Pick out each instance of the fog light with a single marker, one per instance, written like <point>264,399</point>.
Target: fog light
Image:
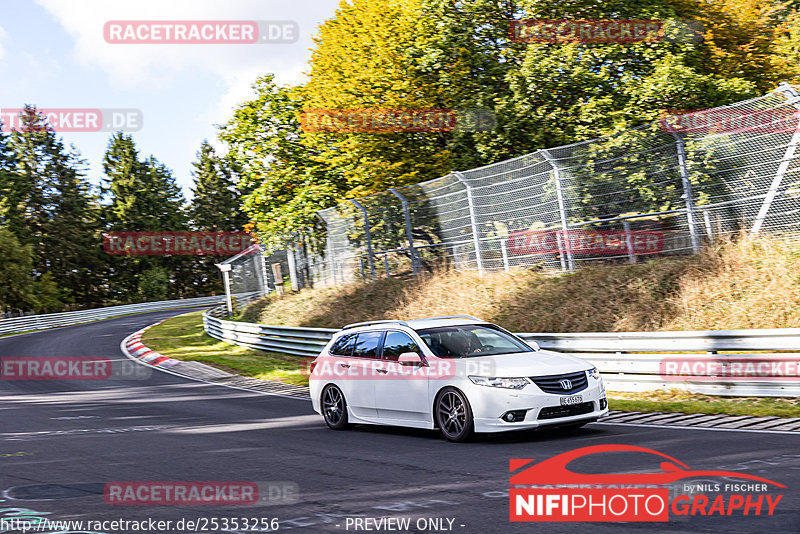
<point>514,416</point>
<point>603,403</point>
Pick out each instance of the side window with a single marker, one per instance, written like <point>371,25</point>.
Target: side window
<point>368,345</point>
<point>344,345</point>
<point>396,344</point>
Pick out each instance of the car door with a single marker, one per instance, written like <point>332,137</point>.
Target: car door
<point>361,374</point>
<point>401,393</point>
<point>337,369</point>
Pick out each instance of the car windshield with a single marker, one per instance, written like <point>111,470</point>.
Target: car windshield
<point>466,341</point>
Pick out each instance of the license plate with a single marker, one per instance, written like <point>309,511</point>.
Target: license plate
<point>572,399</point>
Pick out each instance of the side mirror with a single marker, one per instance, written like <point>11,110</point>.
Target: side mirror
<point>534,345</point>
<point>409,358</point>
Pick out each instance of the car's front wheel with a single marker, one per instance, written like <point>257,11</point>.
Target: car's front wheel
<point>334,407</point>
<point>454,415</point>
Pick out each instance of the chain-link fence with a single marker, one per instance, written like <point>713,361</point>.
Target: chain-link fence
<point>664,188</point>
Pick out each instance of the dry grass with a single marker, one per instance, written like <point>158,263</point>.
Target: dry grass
<point>754,283</point>
<point>742,284</point>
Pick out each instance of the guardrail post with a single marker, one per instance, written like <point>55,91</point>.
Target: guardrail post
<point>786,90</point>
<point>562,210</point>
<point>367,235</point>
<point>504,252</point>
<point>415,263</point>
<point>687,192</point>
<point>473,220</point>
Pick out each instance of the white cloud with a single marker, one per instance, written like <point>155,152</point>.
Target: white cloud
<point>132,65</point>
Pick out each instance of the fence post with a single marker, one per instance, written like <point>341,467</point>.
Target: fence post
<point>626,225</point>
<point>709,227</point>
<point>258,265</point>
<point>687,192</point>
<point>368,236</point>
<point>263,267</point>
<point>415,263</point>
<point>790,94</point>
<point>562,208</point>
<point>308,262</point>
<point>292,260</point>
<point>504,251</point>
<point>225,269</point>
<point>473,219</point>
<point>327,262</point>
<point>277,276</point>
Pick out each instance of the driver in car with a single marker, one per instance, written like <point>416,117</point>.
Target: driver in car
<point>462,343</point>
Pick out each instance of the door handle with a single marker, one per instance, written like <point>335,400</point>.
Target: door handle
<point>345,365</point>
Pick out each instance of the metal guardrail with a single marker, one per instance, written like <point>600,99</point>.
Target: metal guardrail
<point>291,340</point>
<point>53,320</point>
<point>692,341</point>
<point>629,361</point>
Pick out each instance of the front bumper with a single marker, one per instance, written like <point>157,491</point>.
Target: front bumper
<point>490,404</point>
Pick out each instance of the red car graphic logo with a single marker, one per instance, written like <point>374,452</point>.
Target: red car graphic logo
<point>554,470</point>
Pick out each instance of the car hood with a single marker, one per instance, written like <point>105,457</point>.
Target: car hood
<point>540,363</point>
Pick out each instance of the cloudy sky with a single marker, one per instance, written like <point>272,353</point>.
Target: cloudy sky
<point>53,55</point>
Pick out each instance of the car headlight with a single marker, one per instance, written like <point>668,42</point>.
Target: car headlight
<point>496,382</point>
<point>594,373</point>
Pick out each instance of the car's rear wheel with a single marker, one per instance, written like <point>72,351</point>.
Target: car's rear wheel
<point>334,407</point>
<point>454,415</point>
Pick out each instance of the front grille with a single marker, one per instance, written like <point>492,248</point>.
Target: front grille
<point>556,412</point>
<point>552,384</point>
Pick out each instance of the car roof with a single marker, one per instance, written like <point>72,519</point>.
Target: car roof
<point>418,324</point>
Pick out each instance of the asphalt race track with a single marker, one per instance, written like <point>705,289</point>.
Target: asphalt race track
<point>61,442</point>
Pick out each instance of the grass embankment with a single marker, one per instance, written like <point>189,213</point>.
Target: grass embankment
<point>744,284</point>
<point>183,338</point>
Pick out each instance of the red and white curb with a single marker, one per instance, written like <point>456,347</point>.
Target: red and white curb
<point>138,350</point>
<point>133,348</point>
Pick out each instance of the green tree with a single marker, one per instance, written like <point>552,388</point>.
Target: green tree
<point>459,55</point>
<point>143,193</point>
<point>154,284</point>
<point>16,267</point>
<point>283,185</point>
<point>216,204</point>
<point>143,196</point>
<point>52,209</point>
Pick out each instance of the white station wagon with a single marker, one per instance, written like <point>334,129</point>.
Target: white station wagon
<point>455,373</point>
